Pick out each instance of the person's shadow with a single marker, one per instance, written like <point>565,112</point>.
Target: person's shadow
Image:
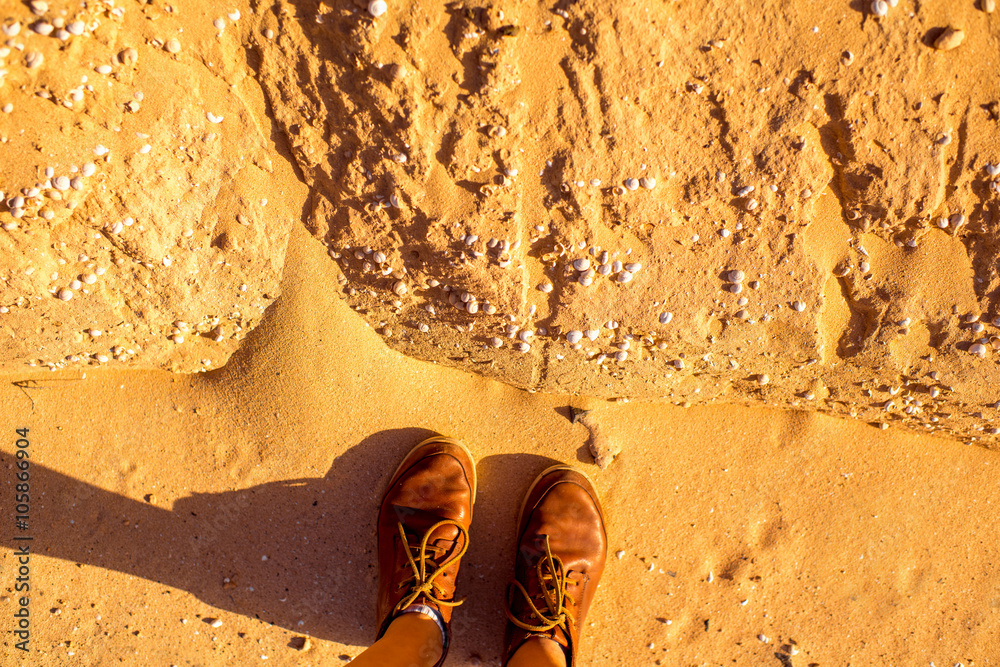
<point>300,550</point>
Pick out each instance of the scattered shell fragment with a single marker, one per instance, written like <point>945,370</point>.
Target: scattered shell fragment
<point>128,56</point>
<point>212,118</point>
<point>951,38</point>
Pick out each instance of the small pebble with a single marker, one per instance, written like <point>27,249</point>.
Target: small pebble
<point>951,38</point>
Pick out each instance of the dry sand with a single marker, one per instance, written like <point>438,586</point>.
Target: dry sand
<point>248,494</point>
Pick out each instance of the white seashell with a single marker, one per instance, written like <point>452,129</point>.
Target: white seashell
<point>525,335</point>
<point>33,59</point>
<point>65,294</point>
<point>742,314</point>
<point>61,183</point>
<point>666,317</point>
<point>573,337</point>
<point>763,379</point>
<point>581,264</point>
<point>76,28</point>
<point>103,69</point>
<point>736,276</point>
<point>864,266</point>
<point>11,29</point>
<point>798,306</point>
<point>993,170</point>
<point>43,28</point>
<point>522,347</point>
<point>751,204</point>
<point>496,342</point>
<point>596,182</point>
<point>978,349</point>
<point>88,169</point>
<point>879,7</point>
<point>379,257</point>
<point>76,183</point>
<point>173,46</point>
<point>592,334</point>
<point>604,269</point>
<point>647,182</point>
<point>399,288</point>
<point>219,24</point>
<point>90,279</point>
<point>472,308</point>
<point>117,228</point>
<point>679,364</point>
<point>545,287</point>
<point>39,7</point>
<point>744,191</point>
<point>624,276</point>
<point>631,184</point>
<point>624,345</point>
<point>212,118</point>
<point>633,267</point>
<point>100,150</point>
<point>621,356</point>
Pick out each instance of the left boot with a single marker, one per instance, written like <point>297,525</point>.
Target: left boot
<point>423,531</point>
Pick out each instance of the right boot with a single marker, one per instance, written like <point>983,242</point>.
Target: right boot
<point>562,547</point>
<point>423,532</point>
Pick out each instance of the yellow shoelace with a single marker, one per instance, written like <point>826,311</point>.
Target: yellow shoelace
<point>552,578</point>
<point>423,577</point>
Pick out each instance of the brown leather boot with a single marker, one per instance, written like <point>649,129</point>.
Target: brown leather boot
<point>423,531</point>
<point>562,546</point>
